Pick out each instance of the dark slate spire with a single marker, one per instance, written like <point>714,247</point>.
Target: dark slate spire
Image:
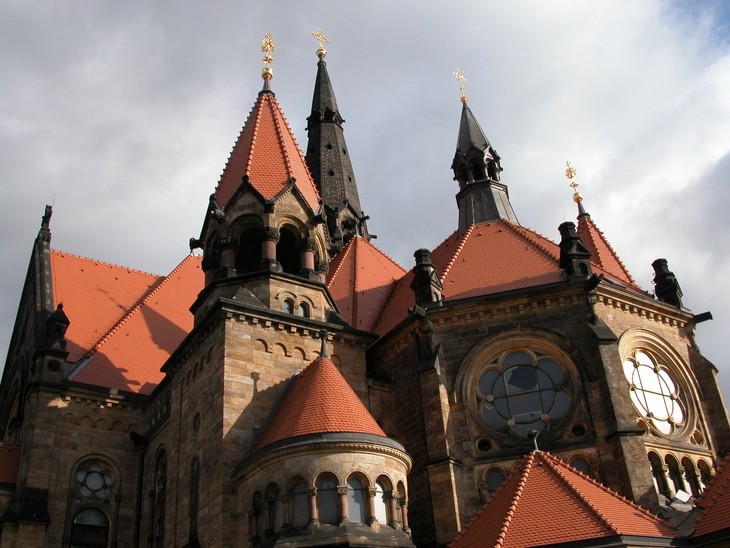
<point>329,162</point>
<point>477,168</point>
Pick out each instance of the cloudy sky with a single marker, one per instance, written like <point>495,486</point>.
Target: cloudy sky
<point>122,115</point>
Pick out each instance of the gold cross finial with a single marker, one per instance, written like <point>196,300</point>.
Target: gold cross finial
<point>322,39</point>
<point>267,46</point>
<point>461,78</point>
<point>570,174</point>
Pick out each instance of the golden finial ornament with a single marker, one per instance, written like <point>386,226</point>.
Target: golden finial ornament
<point>461,78</point>
<point>267,46</point>
<point>322,39</point>
<point>570,174</point>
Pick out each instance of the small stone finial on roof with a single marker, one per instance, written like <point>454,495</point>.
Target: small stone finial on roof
<point>533,434</point>
<point>323,352</point>
<point>267,46</point>
<point>322,39</point>
<point>577,196</point>
<point>461,78</point>
<point>44,233</point>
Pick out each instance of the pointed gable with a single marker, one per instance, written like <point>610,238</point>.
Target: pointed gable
<point>268,155</point>
<point>131,354</point>
<point>545,501</point>
<point>361,280</point>
<point>602,254</point>
<point>96,295</point>
<point>318,401</point>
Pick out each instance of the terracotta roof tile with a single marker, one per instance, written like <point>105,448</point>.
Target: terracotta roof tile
<point>319,400</point>
<point>715,502</point>
<point>602,254</point>
<point>130,356</point>
<point>488,258</point>
<point>579,508</point>
<point>9,461</point>
<point>267,153</point>
<point>95,295</point>
<point>361,280</point>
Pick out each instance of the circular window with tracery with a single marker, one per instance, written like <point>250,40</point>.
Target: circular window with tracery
<point>94,480</point>
<point>654,393</point>
<point>523,390</point>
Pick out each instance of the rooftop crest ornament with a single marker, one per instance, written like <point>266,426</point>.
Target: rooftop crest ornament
<point>461,78</point>
<point>570,174</point>
<point>267,46</point>
<point>322,39</point>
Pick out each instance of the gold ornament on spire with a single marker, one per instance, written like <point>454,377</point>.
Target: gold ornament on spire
<point>461,78</point>
<point>322,39</point>
<point>570,174</point>
<point>267,46</point>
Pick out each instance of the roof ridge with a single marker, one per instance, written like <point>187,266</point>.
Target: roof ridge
<point>610,248</point>
<point>280,136</point>
<point>106,263</point>
<point>459,246</point>
<point>524,234</point>
<point>355,279</point>
<point>340,257</point>
<point>515,499</point>
<point>555,463</point>
<point>154,289</point>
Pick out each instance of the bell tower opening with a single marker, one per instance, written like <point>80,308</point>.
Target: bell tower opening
<point>248,255</point>
<point>287,252</point>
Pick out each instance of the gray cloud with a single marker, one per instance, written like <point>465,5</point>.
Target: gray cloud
<point>123,114</point>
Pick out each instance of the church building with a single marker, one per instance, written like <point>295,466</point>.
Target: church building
<point>291,385</point>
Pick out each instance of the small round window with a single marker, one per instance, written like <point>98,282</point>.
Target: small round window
<point>654,393</point>
<point>520,391</point>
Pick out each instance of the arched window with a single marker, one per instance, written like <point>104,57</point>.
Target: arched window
<point>675,475</point>
<point>705,473</point>
<point>194,499</point>
<point>657,472</point>
<point>383,492</point>
<point>257,516</point>
<point>356,501</point>
<point>275,508</point>
<point>89,529</point>
<point>288,306</point>
<point>303,310</point>
<point>690,477</point>
<point>327,500</point>
<point>159,500</point>
<point>582,465</point>
<point>287,252</point>
<point>495,478</point>
<point>248,254</point>
<point>299,504</point>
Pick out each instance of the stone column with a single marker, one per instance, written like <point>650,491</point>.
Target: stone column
<point>342,499</point>
<point>322,269</point>
<point>228,257</point>
<point>371,492</point>
<point>307,247</point>
<point>313,512</point>
<point>404,515</point>
<point>393,505</point>
<point>269,239</point>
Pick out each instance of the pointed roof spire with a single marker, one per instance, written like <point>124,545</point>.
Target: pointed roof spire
<point>477,169</point>
<point>329,159</point>
<point>601,252</point>
<point>266,155</point>
<point>318,401</point>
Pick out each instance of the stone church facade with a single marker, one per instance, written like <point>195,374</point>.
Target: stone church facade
<point>293,385</point>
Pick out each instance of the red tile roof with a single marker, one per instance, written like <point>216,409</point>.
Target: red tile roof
<point>318,401</point>
<point>130,355</point>
<point>267,153</point>
<point>545,501</point>
<point>602,254</point>
<point>715,502</point>
<point>361,279</point>
<point>9,461</point>
<point>95,295</point>
<point>488,258</point>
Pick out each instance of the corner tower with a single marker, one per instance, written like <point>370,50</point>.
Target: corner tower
<point>264,227</point>
<point>328,159</point>
<point>476,165</point>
